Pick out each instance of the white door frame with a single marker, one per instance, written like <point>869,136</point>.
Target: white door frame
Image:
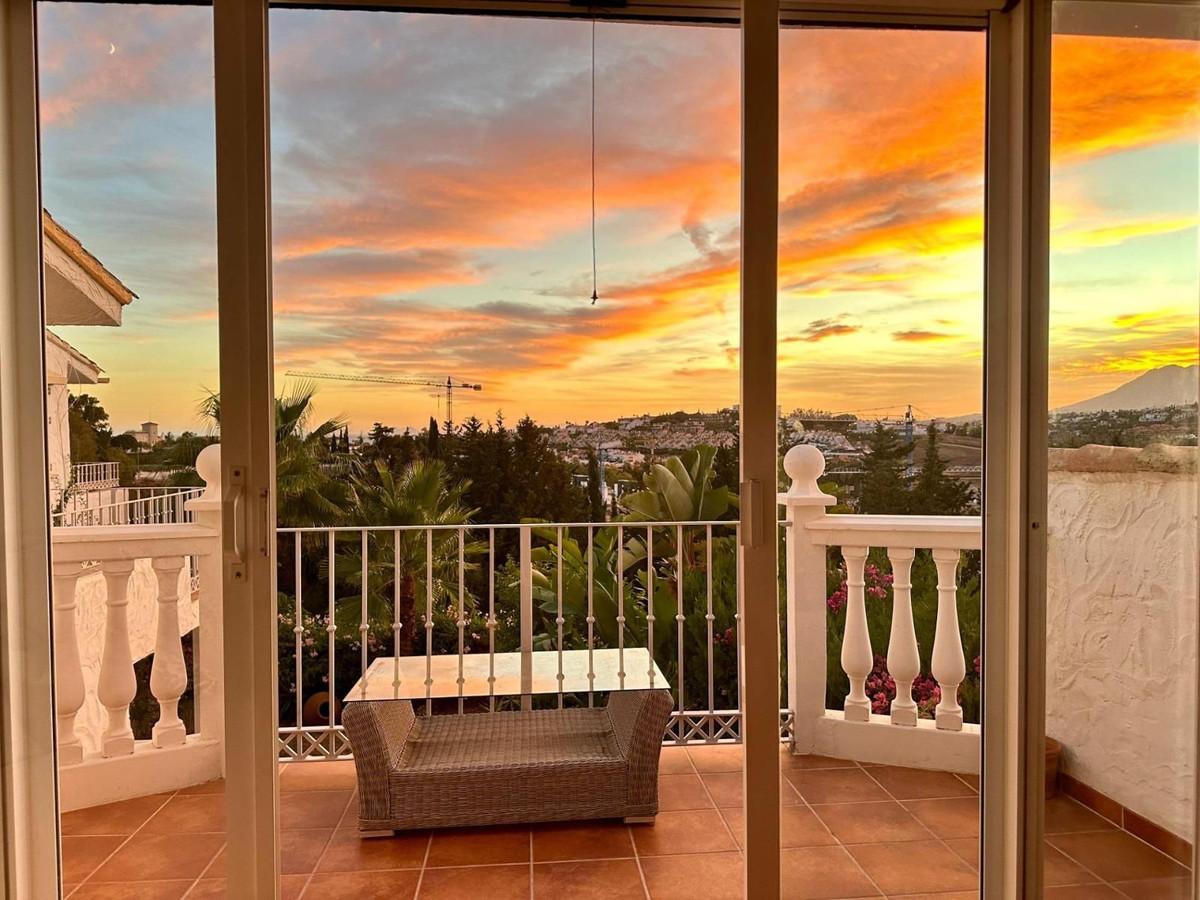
<point>28,780</point>
<point>247,445</point>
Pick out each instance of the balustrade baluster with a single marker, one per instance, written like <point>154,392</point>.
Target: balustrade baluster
<point>680,680</point>
<point>558,618</point>
<point>462,618</point>
<point>117,685</point>
<point>491,620</point>
<point>620,574</point>
<point>168,675</point>
<point>949,665</point>
<point>298,632</point>
<point>650,617</point>
<point>903,659</point>
<point>69,691</point>
<point>396,576</point>
<point>857,659</point>
<point>591,617</point>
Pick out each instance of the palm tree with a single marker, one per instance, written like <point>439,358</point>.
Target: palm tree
<point>397,561</point>
<point>307,493</point>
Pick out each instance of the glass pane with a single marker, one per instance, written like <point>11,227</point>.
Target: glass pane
<point>433,182</point>
<point>1125,316</point>
<point>881,390</point>
<point>128,179</point>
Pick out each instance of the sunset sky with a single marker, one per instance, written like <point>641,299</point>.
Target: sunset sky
<point>431,211</point>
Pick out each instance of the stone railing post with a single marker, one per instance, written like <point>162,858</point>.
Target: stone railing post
<point>806,595</point>
<point>69,692</point>
<point>208,659</point>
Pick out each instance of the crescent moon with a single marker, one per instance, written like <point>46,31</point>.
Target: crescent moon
<point>112,48</point>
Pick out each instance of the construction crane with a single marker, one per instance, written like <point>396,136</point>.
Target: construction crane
<point>450,384</point>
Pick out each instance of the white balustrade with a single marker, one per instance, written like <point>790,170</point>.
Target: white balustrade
<point>905,737</point>
<point>121,593</point>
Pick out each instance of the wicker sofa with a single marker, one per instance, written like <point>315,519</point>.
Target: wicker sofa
<point>506,767</point>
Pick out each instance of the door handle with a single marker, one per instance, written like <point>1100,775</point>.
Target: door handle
<point>237,484</point>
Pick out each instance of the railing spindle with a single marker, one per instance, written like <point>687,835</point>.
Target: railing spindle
<point>857,660</point>
<point>118,685</point>
<point>679,620</point>
<point>331,627</point>
<point>591,617</point>
<point>462,622</point>
<point>903,659</point>
<point>428,621</point>
<point>650,601</point>
<point>69,691</point>
<point>396,575</point>
<point>558,619</point>
<point>620,573</point>
<point>168,675</point>
<point>948,663</point>
<point>363,627</point>
<point>491,620</point>
<point>298,632</point>
<point>709,618</point>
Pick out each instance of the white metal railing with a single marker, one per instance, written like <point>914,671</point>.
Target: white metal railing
<point>92,475</point>
<point>487,589</point>
<point>121,593</point>
<point>126,506</point>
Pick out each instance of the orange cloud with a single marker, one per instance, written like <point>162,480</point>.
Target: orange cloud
<point>919,336</point>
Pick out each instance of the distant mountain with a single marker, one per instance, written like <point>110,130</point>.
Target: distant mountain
<point>1164,386</point>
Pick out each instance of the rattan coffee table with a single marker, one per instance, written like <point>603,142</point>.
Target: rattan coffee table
<point>507,766</point>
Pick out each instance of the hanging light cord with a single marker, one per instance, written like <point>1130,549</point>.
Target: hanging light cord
<point>595,292</point>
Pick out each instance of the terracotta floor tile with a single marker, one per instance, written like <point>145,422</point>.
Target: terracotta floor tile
<point>1156,888</point>
<point>836,786</point>
<point>692,831</point>
<point>326,775</point>
<point>189,814</point>
<point>726,789</point>
<point>134,890</point>
<point>941,895</point>
<point>347,851</point>
<point>914,867</point>
<point>683,791</point>
<point>822,872</point>
<point>1059,870</point>
<point>717,758</point>
<point>399,885</point>
<point>602,879</point>
<point>967,849</point>
<point>1064,815</point>
<point>798,827</point>
<point>152,857</point>
<point>82,855</point>
<point>124,817</point>
<point>479,846</point>
<point>290,888</point>
<point>490,882</point>
<point>866,823</point>
<point>674,761</point>
<point>312,809</point>
<point>919,784</point>
<point>586,840</point>
<point>956,818</point>
<point>972,781</point>
<point>301,848</point>
<point>217,786</point>
<point>1116,856</point>
<point>698,876</point>
<point>800,761</point>
<point>1081,892</point>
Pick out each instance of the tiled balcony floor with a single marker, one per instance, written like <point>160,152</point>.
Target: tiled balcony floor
<point>848,831</point>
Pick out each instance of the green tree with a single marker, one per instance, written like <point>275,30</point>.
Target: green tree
<point>90,431</point>
<point>307,492</point>
<point>884,486</point>
<point>594,496</point>
<point>398,562</point>
<point>934,493</point>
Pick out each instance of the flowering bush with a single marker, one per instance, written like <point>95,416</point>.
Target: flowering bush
<point>877,584</point>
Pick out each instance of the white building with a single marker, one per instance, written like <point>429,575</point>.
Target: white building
<point>79,291</point>
<point>147,434</point>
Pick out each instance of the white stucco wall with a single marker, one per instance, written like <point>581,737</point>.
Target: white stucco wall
<point>90,594</point>
<point>58,441</point>
<point>1122,621</point>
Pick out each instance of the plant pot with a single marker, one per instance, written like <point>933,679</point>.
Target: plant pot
<point>1053,755</point>
<point>316,709</point>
